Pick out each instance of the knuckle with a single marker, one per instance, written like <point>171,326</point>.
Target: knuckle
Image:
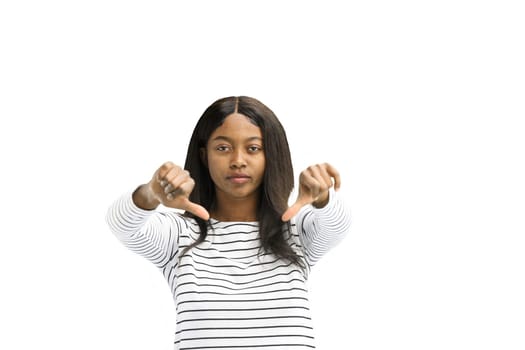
<point>167,166</point>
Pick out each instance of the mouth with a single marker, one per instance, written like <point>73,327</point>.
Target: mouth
<point>238,178</point>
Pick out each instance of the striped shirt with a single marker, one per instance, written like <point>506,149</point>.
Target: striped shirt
<point>229,294</point>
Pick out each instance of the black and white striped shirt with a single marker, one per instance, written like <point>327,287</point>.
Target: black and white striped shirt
<point>228,293</point>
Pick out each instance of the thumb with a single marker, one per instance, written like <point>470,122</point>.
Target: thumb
<point>196,210</point>
<point>293,210</point>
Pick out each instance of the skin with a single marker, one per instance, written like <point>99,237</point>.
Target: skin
<point>235,158</point>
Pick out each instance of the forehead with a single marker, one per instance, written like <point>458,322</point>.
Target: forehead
<point>236,127</point>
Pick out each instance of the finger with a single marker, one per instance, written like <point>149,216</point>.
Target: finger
<point>290,212</point>
<point>174,194</point>
<point>174,180</point>
<point>309,182</point>
<point>167,188</point>
<point>164,170</point>
<point>320,174</point>
<point>174,173</point>
<point>294,209</point>
<point>196,210</point>
<point>334,174</point>
<point>186,186</point>
<point>180,186</point>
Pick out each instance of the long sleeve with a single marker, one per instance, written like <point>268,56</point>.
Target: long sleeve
<point>151,234</point>
<point>321,229</point>
<point>227,294</point>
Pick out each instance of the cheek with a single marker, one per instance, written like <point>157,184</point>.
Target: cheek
<point>214,168</point>
<point>261,167</point>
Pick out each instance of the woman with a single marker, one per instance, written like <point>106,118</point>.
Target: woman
<point>235,256</point>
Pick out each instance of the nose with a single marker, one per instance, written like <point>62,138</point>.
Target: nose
<point>237,160</point>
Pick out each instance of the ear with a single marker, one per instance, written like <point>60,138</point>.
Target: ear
<point>204,156</point>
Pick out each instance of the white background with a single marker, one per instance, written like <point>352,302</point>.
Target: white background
<point>419,104</point>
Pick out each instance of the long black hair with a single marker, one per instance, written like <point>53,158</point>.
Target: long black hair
<point>278,179</point>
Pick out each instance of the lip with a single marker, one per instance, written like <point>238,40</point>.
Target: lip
<point>238,178</point>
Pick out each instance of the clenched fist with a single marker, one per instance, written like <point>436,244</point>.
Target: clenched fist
<point>170,186</point>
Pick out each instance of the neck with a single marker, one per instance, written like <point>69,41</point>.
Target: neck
<point>234,209</point>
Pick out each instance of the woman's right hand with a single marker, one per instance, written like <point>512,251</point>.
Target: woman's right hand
<point>170,186</point>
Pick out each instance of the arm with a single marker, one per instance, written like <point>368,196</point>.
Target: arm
<point>322,219</point>
<point>149,233</point>
<point>321,229</point>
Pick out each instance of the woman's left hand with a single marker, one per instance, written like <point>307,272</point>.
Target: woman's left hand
<point>314,183</point>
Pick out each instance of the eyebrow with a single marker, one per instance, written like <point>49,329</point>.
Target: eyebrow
<point>226,138</point>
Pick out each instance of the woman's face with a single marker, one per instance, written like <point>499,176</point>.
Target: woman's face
<point>235,158</point>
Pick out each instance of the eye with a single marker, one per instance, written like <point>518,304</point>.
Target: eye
<point>254,149</point>
<point>222,148</point>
